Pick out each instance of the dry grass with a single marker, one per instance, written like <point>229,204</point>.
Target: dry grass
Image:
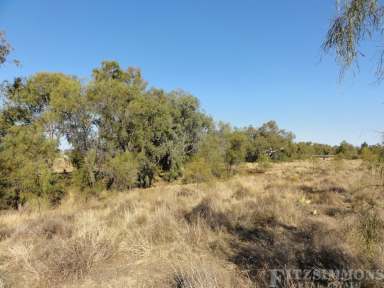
<point>223,234</point>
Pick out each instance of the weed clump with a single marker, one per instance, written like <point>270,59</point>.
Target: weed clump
<point>370,227</point>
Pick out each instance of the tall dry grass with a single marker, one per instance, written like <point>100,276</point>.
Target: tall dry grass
<point>222,234</point>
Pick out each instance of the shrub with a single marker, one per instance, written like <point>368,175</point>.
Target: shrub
<point>146,172</point>
<point>367,154</point>
<point>370,228</point>
<point>26,158</point>
<point>264,163</point>
<point>197,170</point>
<point>347,151</point>
<point>122,171</point>
<point>235,152</point>
<point>212,151</point>
<point>85,176</point>
<point>73,258</point>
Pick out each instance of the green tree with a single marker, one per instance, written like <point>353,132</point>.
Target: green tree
<point>26,158</point>
<point>236,149</point>
<point>209,161</point>
<point>26,151</point>
<point>269,139</point>
<point>121,171</point>
<point>164,128</point>
<point>88,171</point>
<point>197,170</point>
<point>346,150</point>
<point>56,102</point>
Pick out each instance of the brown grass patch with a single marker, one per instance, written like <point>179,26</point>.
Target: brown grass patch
<point>222,234</point>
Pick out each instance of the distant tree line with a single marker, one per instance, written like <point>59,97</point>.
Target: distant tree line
<point>122,134</point>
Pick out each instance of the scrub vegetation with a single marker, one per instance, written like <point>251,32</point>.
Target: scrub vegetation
<point>227,233</point>
<point>113,183</point>
<point>120,135</point>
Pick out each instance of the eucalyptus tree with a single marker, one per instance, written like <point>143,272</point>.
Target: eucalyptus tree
<point>355,22</point>
<point>54,101</point>
<point>269,140</point>
<point>26,151</point>
<point>161,128</point>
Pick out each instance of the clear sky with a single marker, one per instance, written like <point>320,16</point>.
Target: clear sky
<point>247,61</point>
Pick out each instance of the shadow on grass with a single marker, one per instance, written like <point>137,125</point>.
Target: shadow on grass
<point>274,245</point>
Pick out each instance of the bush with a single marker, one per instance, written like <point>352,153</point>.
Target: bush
<point>122,171</point>
<point>212,152</point>
<point>26,158</point>
<point>235,153</point>
<point>85,176</point>
<point>196,171</point>
<point>370,228</point>
<point>367,155</point>
<point>347,151</point>
<point>146,172</point>
<point>264,163</point>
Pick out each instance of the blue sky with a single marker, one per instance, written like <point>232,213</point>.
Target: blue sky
<point>247,61</point>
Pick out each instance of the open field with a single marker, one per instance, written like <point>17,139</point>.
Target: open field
<point>314,214</point>
<point>179,175</point>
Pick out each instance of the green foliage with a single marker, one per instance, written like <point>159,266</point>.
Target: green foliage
<point>147,171</point>
<point>371,154</point>
<point>209,161</point>
<point>346,151</point>
<point>26,158</point>
<point>271,140</point>
<point>86,174</point>
<point>212,148</point>
<point>108,122</point>
<point>197,170</point>
<point>305,150</point>
<point>264,163</point>
<point>121,171</point>
<point>367,154</point>
<point>163,128</point>
<point>123,135</point>
<point>235,152</point>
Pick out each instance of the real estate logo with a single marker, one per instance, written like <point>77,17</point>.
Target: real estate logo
<point>280,278</point>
